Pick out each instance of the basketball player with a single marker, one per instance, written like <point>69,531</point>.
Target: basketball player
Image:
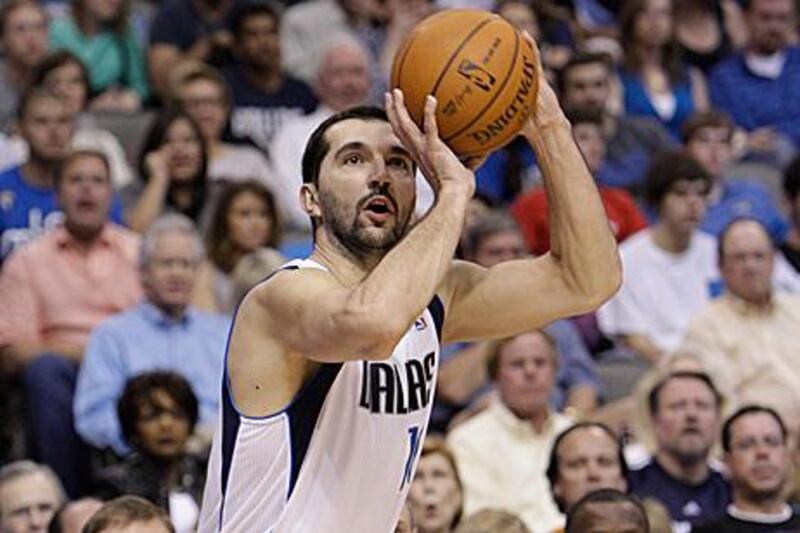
<point>331,362</point>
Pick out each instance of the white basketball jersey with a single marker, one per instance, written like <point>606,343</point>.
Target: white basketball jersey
<point>340,457</point>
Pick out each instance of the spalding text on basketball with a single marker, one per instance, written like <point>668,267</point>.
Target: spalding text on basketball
<point>397,389</point>
<point>506,117</point>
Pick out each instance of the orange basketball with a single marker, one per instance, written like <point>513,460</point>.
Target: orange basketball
<point>480,69</point>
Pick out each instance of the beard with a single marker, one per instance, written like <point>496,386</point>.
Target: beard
<point>361,241</point>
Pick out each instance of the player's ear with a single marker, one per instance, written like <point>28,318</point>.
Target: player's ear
<point>309,199</point>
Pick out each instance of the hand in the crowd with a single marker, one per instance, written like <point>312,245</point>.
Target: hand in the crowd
<point>762,140</point>
<point>440,166</point>
<point>547,110</point>
<point>115,99</point>
<point>157,164</point>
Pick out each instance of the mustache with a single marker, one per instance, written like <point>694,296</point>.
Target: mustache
<point>382,190</point>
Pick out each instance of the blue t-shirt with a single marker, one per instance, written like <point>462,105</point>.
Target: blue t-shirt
<point>637,101</point>
<point>26,211</point>
<point>178,23</point>
<point>688,505</point>
<point>257,114</point>
<point>745,199</point>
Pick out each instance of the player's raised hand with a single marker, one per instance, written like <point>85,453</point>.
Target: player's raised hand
<point>547,110</point>
<point>440,166</point>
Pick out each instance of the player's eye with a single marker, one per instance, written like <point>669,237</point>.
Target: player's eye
<point>353,159</point>
<point>399,162</point>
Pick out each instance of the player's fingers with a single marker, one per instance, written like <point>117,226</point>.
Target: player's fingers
<point>535,47</point>
<point>431,128</point>
<point>408,126</point>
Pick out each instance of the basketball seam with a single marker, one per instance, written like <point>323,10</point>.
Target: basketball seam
<point>497,93</point>
<point>401,64</point>
<point>452,58</point>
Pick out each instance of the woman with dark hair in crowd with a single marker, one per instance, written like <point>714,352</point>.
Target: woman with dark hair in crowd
<point>708,30</point>
<point>173,170</point>
<point>157,413</point>
<point>99,34</point>
<point>245,220</point>
<point>63,74</point>
<point>655,80</point>
<point>436,494</point>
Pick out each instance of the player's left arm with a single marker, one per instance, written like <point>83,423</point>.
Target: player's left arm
<point>582,269</point>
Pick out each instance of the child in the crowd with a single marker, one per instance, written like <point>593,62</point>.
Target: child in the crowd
<point>158,412</point>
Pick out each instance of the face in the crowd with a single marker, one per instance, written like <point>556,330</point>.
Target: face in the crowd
<point>589,138</point>
<point>653,25</point>
<point>588,460</point>
<point>47,126</point>
<point>684,206</point>
<point>687,419</point>
<point>747,261</point>
<point>612,517</point>
<point>25,35</point>
<point>68,83</point>
<point>103,10</point>
<point>204,101</point>
<point>521,16</point>
<point>258,44</point>
<point>499,247</point>
<point>344,77</point>
<point>162,428</point>
<point>769,23</point>
<point>587,86</point>
<point>249,223</point>
<point>84,194</point>
<point>526,373</point>
<point>168,277</point>
<point>434,496</point>
<point>759,459</point>
<point>27,504</point>
<point>367,186</point>
<point>711,147</point>
<point>184,147</point>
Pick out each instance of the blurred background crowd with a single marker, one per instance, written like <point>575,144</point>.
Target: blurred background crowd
<point>149,167</point>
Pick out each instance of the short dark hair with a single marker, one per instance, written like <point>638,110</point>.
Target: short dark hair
<point>139,392</point>
<point>30,95</point>
<point>653,399</point>
<point>713,118</point>
<point>747,410</point>
<point>12,5</point>
<point>578,60</point>
<point>584,115</point>
<point>317,146</point>
<point>554,468</point>
<point>667,168</point>
<point>254,8</point>
<point>123,511</point>
<point>791,179</point>
<point>602,496</point>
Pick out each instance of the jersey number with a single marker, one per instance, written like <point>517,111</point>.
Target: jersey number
<point>413,447</point>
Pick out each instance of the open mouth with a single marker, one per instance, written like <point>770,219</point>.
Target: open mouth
<point>379,205</point>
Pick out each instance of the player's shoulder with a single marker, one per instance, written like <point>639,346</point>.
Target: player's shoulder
<point>297,278</point>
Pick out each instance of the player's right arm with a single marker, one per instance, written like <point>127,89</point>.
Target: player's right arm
<point>313,314</point>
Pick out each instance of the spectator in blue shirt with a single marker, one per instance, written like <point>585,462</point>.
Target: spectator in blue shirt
<point>707,138</point>
<point>28,205</point>
<point>758,85</point>
<point>162,333</point>
<point>685,412</point>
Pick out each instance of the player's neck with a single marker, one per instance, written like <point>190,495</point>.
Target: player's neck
<point>346,266</point>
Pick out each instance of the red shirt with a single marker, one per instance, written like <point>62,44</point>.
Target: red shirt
<point>530,211</point>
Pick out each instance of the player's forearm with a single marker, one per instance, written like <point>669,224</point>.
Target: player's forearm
<point>580,235</point>
<point>408,276</point>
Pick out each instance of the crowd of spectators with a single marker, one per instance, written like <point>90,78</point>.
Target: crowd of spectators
<point>150,162</point>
